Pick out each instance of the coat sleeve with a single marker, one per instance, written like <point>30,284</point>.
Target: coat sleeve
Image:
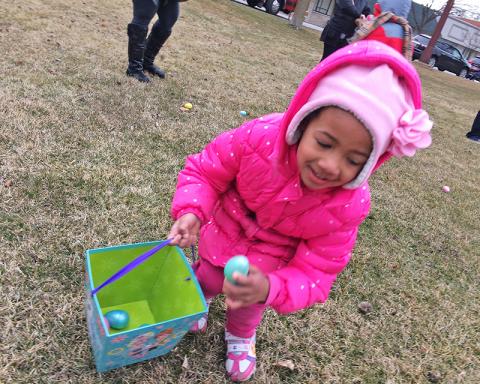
<point>208,174</point>
<point>309,276</point>
<point>348,8</point>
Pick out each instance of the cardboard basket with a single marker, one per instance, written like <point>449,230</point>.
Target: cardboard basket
<point>155,285</point>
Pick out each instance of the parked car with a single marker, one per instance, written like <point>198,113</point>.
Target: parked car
<point>274,6</point>
<point>444,56</point>
<point>474,72</point>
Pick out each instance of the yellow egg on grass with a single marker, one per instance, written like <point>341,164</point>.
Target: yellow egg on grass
<point>188,105</point>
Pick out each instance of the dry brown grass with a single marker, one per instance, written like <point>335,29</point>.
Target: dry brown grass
<point>93,156</point>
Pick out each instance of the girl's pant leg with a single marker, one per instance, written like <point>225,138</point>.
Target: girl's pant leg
<point>209,277</point>
<point>240,322</point>
<point>244,321</point>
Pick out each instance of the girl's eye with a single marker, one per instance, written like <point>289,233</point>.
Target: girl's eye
<point>324,145</point>
<point>354,162</point>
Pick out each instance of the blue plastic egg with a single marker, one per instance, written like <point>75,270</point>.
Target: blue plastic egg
<point>243,113</point>
<point>236,264</point>
<point>117,319</point>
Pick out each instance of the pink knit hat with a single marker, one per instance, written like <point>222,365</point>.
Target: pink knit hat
<point>377,97</point>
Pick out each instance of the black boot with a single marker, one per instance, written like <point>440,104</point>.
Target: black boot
<point>155,41</point>
<point>474,134</point>
<point>136,48</point>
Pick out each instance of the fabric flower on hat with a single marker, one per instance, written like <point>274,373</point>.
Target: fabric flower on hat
<point>412,133</point>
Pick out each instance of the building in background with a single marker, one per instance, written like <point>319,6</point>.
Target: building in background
<point>319,12</point>
<point>464,34</point>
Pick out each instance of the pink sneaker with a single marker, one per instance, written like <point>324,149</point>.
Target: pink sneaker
<point>200,326</point>
<point>241,358</point>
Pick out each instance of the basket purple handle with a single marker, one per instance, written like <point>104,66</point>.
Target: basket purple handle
<point>132,265</point>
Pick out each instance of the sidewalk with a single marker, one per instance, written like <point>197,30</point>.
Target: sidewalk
<point>283,16</point>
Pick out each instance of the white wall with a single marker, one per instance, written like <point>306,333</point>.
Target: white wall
<point>464,36</point>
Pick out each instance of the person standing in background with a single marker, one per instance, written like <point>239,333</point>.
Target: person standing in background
<point>388,25</point>
<point>342,24</point>
<point>142,51</point>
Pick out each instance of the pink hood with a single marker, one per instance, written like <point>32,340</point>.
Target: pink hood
<point>362,53</point>
<point>245,188</point>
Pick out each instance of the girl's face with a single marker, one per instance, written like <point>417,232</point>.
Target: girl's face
<point>333,149</point>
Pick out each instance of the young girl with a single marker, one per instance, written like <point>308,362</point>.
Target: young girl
<point>289,190</point>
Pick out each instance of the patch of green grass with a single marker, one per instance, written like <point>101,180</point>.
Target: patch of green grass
<point>94,157</point>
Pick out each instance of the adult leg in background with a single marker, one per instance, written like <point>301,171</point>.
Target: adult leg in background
<point>162,29</point>
<point>143,12</point>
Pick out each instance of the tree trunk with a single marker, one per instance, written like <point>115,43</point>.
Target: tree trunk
<point>299,13</point>
<point>427,52</point>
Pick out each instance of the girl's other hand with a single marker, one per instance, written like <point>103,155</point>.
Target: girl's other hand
<point>248,290</point>
<point>185,230</point>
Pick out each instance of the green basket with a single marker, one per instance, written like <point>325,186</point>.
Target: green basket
<point>160,293</point>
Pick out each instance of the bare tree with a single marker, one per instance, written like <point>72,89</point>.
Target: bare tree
<point>464,11</point>
<point>457,11</point>
<point>298,16</point>
<point>427,52</point>
<point>423,15</point>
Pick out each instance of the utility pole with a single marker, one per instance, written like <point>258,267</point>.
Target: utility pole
<point>427,52</point>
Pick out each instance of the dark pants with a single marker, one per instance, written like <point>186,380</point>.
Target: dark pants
<point>167,12</point>
<point>333,39</point>
<point>329,48</point>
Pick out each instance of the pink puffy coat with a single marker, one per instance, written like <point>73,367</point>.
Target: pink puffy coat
<point>245,188</point>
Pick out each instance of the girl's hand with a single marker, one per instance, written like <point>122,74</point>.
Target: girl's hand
<point>250,289</point>
<point>184,231</point>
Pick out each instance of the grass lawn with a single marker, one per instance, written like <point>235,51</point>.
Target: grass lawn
<point>89,158</point>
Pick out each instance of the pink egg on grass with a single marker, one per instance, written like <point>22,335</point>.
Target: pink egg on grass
<point>446,188</point>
